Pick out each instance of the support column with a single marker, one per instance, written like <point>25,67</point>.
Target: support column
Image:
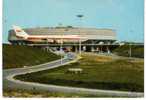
<point>97,49</point>
<point>92,48</point>
<point>80,47</point>
<point>101,48</point>
<point>84,48</point>
<point>108,51</point>
<point>76,49</point>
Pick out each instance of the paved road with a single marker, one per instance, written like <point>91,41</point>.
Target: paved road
<point>10,82</point>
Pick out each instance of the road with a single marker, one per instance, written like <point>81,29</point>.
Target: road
<point>9,82</point>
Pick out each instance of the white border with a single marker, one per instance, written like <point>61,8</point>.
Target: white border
<point>1,6</point>
<point>1,97</point>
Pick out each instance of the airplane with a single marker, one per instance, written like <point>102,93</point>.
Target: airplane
<point>20,33</point>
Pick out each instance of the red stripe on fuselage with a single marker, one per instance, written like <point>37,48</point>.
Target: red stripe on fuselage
<point>53,38</point>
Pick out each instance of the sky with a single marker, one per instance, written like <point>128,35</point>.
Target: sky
<point>126,17</point>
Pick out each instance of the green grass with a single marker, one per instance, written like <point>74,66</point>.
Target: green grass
<point>119,74</point>
<point>136,51</point>
<point>31,93</point>
<point>15,56</point>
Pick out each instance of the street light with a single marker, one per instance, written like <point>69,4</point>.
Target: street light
<point>61,47</point>
<point>130,50</point>
<point>61,43</point>
<point>80,44</point>
<point>130,46</point>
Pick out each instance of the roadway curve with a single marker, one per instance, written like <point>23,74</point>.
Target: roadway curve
<point>10,83</point>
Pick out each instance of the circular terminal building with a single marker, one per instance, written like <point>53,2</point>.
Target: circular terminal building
<point>87,38</point>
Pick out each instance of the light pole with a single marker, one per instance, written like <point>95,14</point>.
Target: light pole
<point>61,47</point>
<point>130,46</point>
<point>80,44</point>
<point>130,50</point>
<point>61,43</point>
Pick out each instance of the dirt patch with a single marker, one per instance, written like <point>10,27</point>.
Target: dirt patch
<point>97,58</point>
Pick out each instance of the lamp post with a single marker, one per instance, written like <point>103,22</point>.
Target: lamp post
<point>130,47</point>
<point>80,44</point>
<point>130,50</point>
<point>61,43</point>
<point>61,47</point>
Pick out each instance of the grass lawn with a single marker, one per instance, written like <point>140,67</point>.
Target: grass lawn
<point>15,56</point>
<point>38,94</point>
<point>99,72</point>
<point>136,51</point>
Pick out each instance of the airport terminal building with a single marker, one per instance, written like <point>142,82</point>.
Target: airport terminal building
<point>90,38</point>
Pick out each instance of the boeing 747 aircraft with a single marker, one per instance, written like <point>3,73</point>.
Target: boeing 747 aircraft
<point>20,33</point>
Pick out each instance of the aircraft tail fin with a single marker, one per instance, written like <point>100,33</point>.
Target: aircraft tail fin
<point>19,32</point>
